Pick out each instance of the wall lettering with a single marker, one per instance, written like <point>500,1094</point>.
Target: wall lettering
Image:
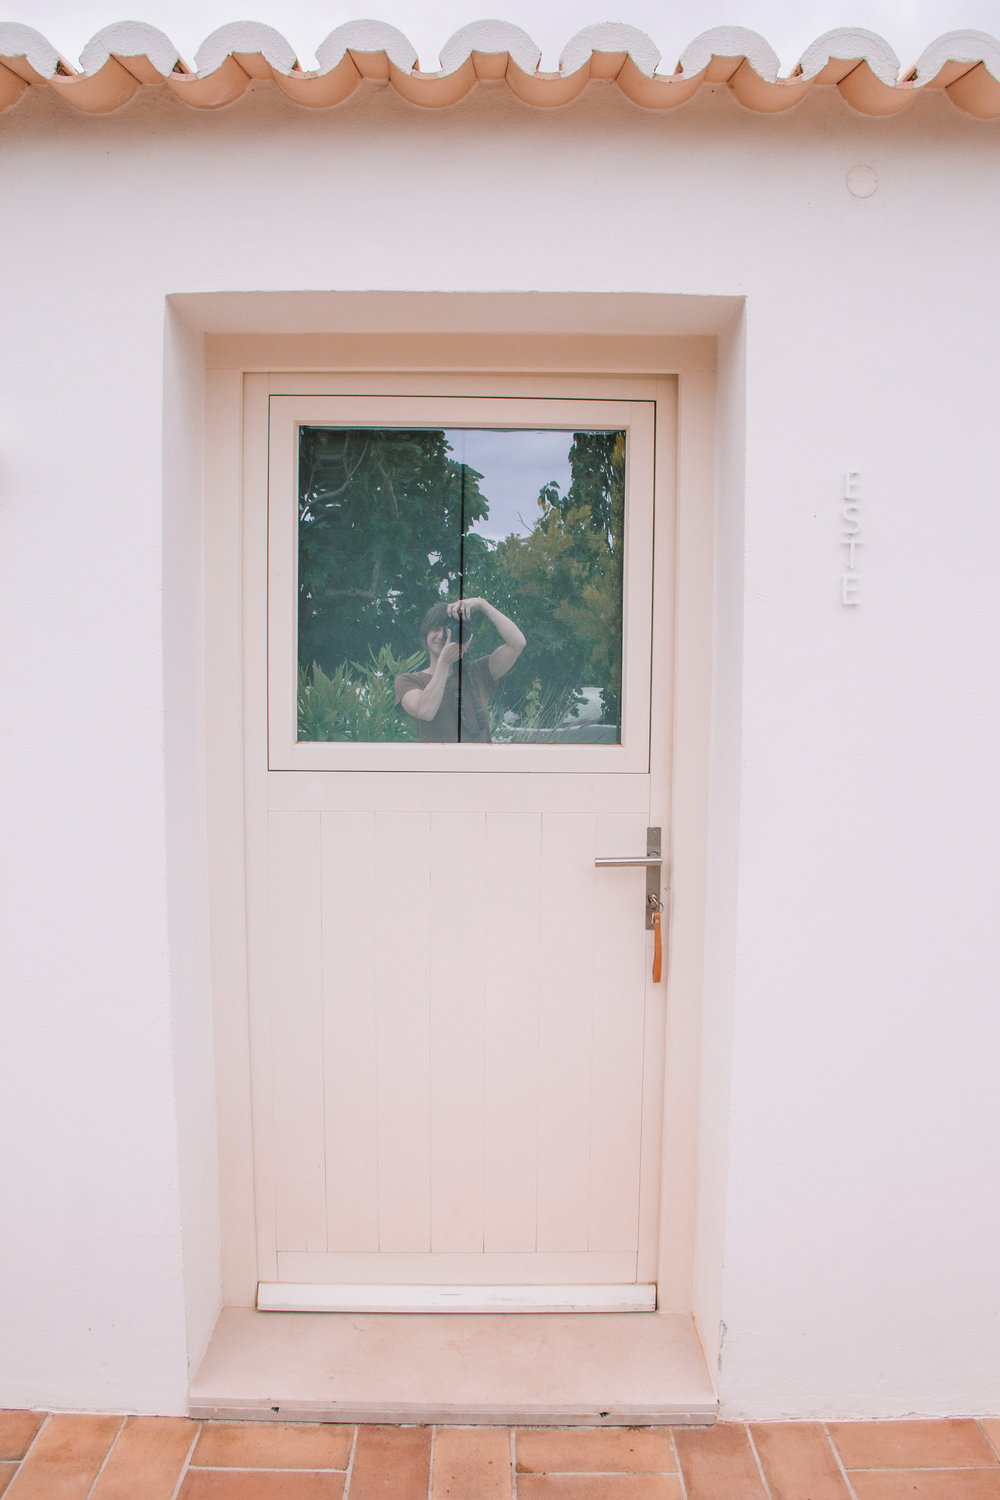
<point>851,511</point>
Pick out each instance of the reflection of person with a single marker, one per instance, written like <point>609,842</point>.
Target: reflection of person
<point>434,697</point>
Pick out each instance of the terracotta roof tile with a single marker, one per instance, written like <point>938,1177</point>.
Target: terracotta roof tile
<point>130,55</point>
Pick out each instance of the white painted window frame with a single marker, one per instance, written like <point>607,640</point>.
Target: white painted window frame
<point>285,417</point>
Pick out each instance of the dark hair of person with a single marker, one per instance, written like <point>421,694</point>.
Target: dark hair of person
<point>438,618</point>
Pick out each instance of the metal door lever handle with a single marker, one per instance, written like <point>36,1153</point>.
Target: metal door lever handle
<point>651,862</point>
<point>631,859</point>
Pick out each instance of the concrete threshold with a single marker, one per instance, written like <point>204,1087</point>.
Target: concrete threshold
<point>504,1369</point>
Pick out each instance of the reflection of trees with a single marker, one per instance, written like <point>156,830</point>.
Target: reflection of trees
<point>563,581</point>
<point>380,537</point>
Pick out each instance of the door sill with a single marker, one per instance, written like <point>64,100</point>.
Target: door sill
<point>274,1296</point>
<point>529,1369</point>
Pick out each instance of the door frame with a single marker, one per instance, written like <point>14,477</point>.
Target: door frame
<point>679,375</point>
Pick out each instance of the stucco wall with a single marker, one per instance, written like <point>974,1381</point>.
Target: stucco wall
<point>850,1234</point>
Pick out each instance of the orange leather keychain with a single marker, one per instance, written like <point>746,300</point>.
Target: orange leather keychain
<point>657,936</point>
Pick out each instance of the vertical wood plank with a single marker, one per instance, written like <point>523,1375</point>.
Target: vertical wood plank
<point>620,948</point>
<point>651,1147</point>
<point>457,1028</point>
<point>266,1166</point>
<point>294,875</point>
<point>565,1030</point>
<point>513,913</point>
<point>349,1059</point>
<point>402,967</point>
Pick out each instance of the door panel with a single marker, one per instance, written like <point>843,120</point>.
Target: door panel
<point>295,933</point>
<point>455,1067</point>
<point>510,1156</point>
<point>350,1039</point>
<point>457,1018</point>
<point>618,1039</point>
<point>451,1005</point>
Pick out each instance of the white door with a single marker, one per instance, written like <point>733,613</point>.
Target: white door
<point>455,1033</point>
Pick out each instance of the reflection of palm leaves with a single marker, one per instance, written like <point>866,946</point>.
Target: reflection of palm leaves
<point>355,702</point>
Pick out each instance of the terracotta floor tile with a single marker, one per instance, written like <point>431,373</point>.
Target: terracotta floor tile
<point>927,1484</point>
<point>391,1463</point>
<point>798,1461</point>
<point>595,1450</point>
<point>911,1444</point>
<point>236,1484</point>
<point>273,1445</point>
<point>65,1459</point>
<point>7,1472</point>
<point>718,1463</point>
<point>147,1459</point>
<point>598,1487</point>
<point>472,1463</point>
<point>17,1429</point>
<point>991,1426</point>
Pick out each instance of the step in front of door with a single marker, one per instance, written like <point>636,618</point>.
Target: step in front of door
<point>531,1369</point>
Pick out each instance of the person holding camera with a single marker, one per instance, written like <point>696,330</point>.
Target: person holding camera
<point>448,700</point>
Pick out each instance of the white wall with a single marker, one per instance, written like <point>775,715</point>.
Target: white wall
<point>849,1234</point>
<point>91,1300</point>
<point>861,1245</point>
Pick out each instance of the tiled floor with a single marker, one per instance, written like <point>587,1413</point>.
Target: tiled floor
<point>166,1458</point>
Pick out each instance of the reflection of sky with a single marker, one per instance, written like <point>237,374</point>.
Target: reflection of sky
<point>514,466</point>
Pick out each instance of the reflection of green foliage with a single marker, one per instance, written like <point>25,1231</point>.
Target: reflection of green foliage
<point>381,516</point>
<point>355,701</point>
<point>380,530</point>
<point>567,573</point>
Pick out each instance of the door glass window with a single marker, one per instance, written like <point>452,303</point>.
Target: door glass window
<point>460,585</point>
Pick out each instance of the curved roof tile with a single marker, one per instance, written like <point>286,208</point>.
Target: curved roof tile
<point>610,38</point>
<point>369,38</point>
<point>266,51</point>
<point>130,55</point>
<point>147,54</point>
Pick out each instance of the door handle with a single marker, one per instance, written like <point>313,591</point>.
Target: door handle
<point>639,860</point>
<point>652,861</point>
